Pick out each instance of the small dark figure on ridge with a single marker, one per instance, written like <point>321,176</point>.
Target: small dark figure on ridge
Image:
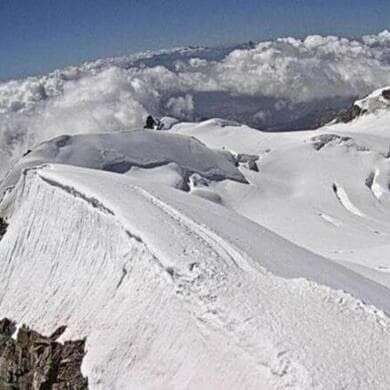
<point>150,123</point>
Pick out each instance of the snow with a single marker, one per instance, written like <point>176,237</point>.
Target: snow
<point>345,201</point>
<point>168,122</point>
<point>374,101</point>
<point>293,194</point>
<point>181,266</point>
<point>119,152</point>
<point>170,174</point>
<point>174,291</point>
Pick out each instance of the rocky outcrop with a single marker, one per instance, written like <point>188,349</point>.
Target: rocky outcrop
<point>249,161</point>
<point>3,227</point>
<point>386,94</point>
<point>376,101</point>
<point>346,116</point>
<point>31,361</point>
<point>324,140</point>
<point>320,141</point>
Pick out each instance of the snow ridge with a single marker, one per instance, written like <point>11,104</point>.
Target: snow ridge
<point>77,194</point>
<point>119,152</point>
<point>206,304</point>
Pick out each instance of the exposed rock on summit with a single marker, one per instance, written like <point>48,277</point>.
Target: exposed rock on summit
<point>346,116</point>
<point>36,362</point>
<point>324,140</point>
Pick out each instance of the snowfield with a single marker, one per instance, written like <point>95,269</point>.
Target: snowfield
<point>209,255</point>
<point>173,291</point>
<point>326,190</point>
<point>119,152</point>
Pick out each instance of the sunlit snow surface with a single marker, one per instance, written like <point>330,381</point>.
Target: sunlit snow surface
<point>175,291</point>
<point>347,180</point>
<point>184,279</point>
<point>119,152</point>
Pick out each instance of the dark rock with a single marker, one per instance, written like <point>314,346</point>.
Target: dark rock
<point>386,94</point>
<point>7,327</point>
<point>244,158</point>
<point>3,227</point>
<point>324,140</point>
<point>370,180</point>
<point>150,123</point>
<point>346,116</point>
<point>252,165</point>
<point>248,160</point>
<point>58,333</point>
<point>37,362</point>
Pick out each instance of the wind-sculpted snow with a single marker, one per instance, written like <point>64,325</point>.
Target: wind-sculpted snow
<point>172,291</point>
<point>327,190</point>
<point>119,152</point>
<point>283,84</point>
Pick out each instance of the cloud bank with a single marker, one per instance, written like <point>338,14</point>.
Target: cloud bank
<point>117,93</point>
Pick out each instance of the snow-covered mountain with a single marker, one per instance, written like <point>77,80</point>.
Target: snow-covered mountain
<point>210,255</point>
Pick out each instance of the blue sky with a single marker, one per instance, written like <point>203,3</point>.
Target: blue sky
<point>37,36</point>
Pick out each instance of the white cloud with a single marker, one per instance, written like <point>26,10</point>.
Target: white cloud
<point>381,38</point>
<point>181,107</point>
<point>110,95</point>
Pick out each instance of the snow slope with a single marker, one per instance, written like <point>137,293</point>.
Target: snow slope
<point>326,190</point>
<point>185,269</point>
<point>378,100</point>
<point>119,152</point>
<point>173,291</point>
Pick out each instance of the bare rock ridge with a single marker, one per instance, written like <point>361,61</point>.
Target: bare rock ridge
<point>31,361</point>
<point>386,94</point>
<point>378,99</point>
<point>346,116</point>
